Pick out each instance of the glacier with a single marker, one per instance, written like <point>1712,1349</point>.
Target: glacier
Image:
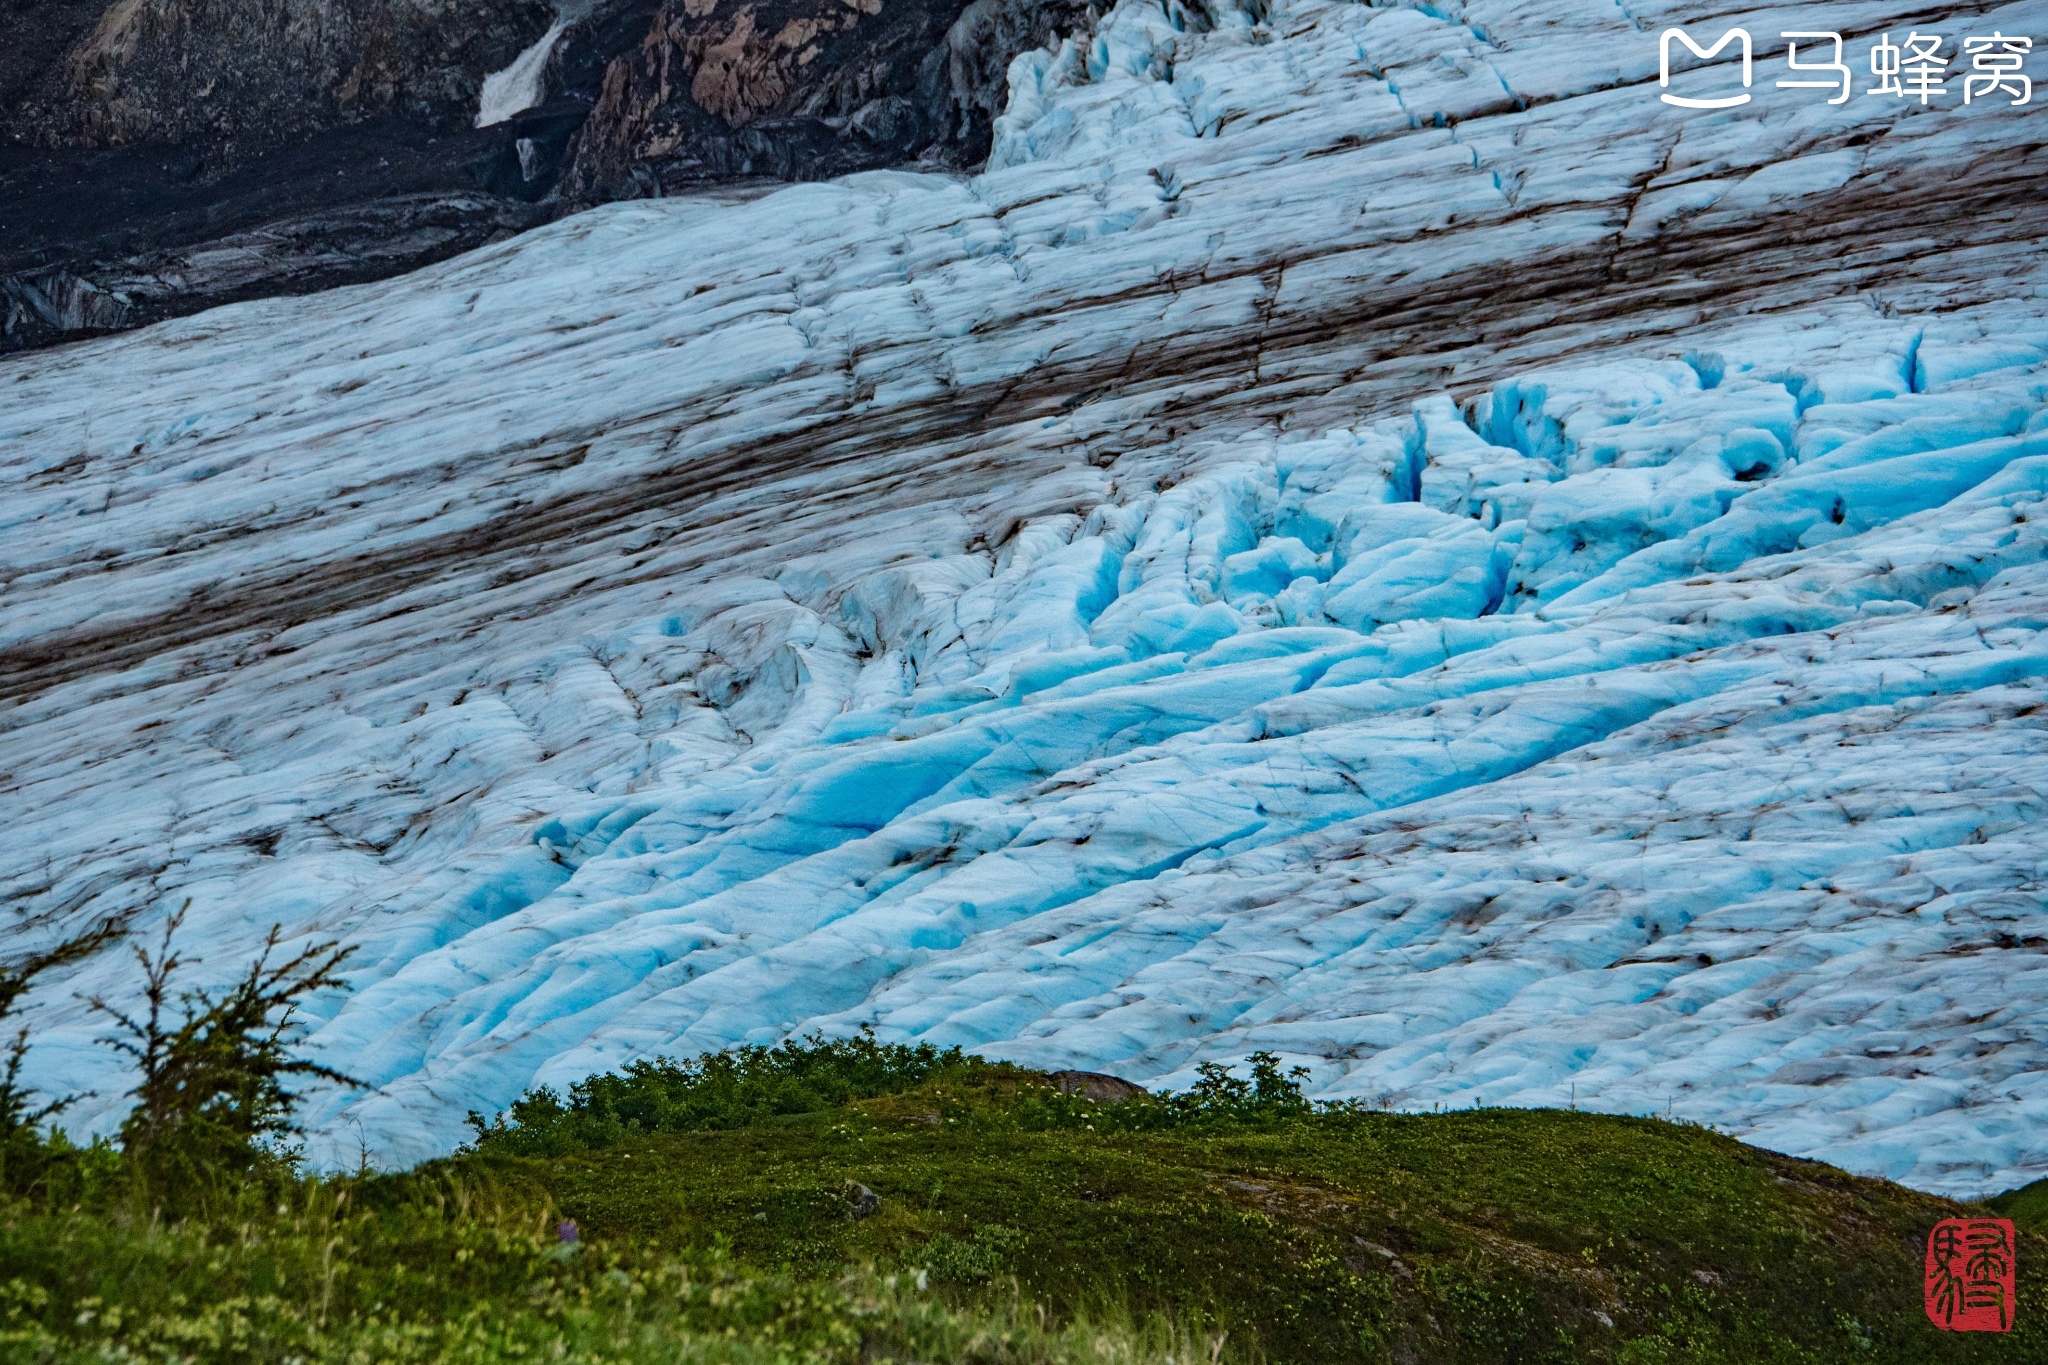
<point>1361,533</point>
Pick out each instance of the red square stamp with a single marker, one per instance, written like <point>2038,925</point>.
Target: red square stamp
<point>1970,1275</point>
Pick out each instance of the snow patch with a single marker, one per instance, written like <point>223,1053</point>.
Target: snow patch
<point>521,85</point>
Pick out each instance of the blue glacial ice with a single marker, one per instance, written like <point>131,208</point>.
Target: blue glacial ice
<point>822,610</point>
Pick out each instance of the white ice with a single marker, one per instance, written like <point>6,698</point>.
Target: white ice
<point>703,621</point>
<point>521,85</point>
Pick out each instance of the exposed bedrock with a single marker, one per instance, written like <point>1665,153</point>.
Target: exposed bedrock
<point>231,76</point>
<point>797,89</point>
<point>163,156</point>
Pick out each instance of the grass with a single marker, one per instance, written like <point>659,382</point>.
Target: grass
<point>719,1222</point>
<point>2026,1206</point>
<point>458,1272</point>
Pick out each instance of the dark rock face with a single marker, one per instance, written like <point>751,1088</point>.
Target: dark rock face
<point>96,240</point>
<point>348,244</point>
<point>235,75</point>
<point>799,89</point>
<point>34,34</point>
<point>164,156</point>
<point>1097,1086</point>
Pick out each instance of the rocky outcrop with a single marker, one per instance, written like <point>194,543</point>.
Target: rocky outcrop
<point>980,46</point>
<point>237,75</point>
<point>164,156</point>
<point>1097,1086</point>
<point>801,89</point>
<point>92,241</point>
<point>347,245</point>
<point>34,34</point>
<point>862,1201</point>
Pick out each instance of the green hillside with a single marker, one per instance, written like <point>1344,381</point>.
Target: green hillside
<point>797,1207</point>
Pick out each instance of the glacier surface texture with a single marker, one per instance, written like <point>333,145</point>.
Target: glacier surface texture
<point>1362,533</point>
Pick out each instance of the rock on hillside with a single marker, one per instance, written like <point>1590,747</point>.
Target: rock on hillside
<point>796,89</point>
<point>234,76</point>
<point>167,155</point>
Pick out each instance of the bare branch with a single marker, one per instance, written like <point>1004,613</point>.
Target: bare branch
<point>19,1122</point>
<point>210,1097</point>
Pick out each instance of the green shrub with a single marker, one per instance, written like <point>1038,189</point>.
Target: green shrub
<point>698,1211</point>
<point>1333,1235</point>
<point>742,1086</point>
<point>729,1089</point>
<point>984,1254</point>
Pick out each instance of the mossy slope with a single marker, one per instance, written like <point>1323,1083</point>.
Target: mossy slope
<point>1239,1227</point>
<point>1484,1236</point>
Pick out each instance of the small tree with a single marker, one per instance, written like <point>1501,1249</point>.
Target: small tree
<point>24,1150</point>
<point>1269,1094</point>
<point>212,1101</point>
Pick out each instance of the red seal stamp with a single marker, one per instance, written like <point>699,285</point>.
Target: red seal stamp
<point>1970,1275</point>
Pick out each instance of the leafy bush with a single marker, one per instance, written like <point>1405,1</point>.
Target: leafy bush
<point>1283,1231</point>
<point>1218,1100</point>
<point>1266,1096</point>
<point>984,1254</point>
<point>729,1089</point>
<point>1346,1234</point>
<point>707,1221</point>
<point>742,1086</point>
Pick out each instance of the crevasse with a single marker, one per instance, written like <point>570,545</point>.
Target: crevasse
<point>1062,612</point>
